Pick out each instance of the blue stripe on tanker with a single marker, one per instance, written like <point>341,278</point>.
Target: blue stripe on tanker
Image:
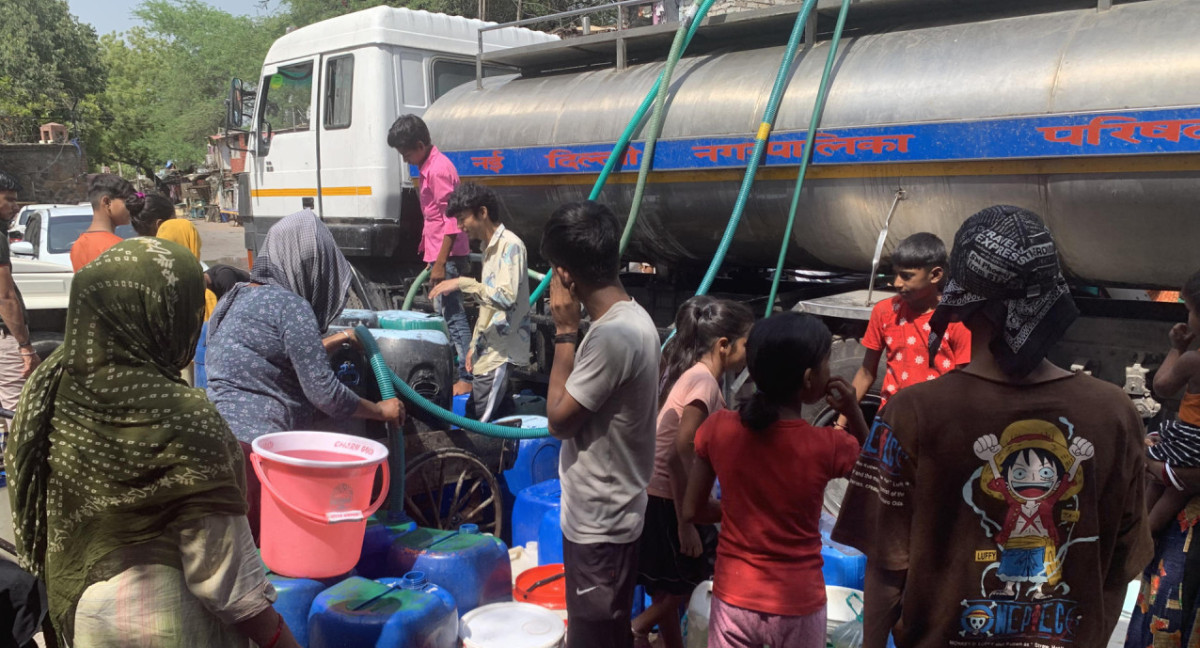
<point>1109,133</point>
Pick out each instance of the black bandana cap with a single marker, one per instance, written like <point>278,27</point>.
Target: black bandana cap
<point>1005,264</point>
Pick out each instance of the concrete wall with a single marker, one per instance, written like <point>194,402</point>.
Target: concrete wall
<point>50,173</point>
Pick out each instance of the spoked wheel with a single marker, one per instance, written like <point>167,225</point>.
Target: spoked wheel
<point>450,487</point>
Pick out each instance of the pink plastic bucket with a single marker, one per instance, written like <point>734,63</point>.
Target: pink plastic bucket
<point>316,498</point>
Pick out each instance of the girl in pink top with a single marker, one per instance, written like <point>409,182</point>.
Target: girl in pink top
<point>710,341</point>
<point>773,467</point>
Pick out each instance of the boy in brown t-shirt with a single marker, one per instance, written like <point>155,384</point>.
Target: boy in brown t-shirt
<point>1001,505</point>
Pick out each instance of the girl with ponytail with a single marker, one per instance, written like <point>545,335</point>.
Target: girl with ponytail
<point>773,467</point>
<point>709,342</point>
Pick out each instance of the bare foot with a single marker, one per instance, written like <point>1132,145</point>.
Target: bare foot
<point>462,387</point>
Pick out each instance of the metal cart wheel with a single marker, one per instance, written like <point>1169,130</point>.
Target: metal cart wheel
<point>449,487</point>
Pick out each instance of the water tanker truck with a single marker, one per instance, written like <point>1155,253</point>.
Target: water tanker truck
<point>1087,113</point>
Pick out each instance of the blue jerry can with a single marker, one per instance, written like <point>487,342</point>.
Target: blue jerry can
<point>473,567</point>
<point>405,612</point>
<point>531,505</point>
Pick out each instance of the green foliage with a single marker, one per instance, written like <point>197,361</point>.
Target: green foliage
<point>157,91</point>
<point>49,62</point>
<point>168,80</point>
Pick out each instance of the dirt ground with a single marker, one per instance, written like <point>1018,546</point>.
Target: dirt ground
<point>222,243</point>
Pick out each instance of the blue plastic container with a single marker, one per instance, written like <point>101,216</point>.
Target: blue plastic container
<point>550,538</point>
<point>402,320</point>
<point>406,612</point>
<point>473,567</point>
<point>531,505</point>
<point>844,566</point>
<point>294,598</point>
<point>459,404</point>
<point>428,621</point>
<point>377,542</point>
<point>351,317</point>
<point>537,459</point>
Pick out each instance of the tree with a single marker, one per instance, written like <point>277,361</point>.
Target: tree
<point>49,64</point>
<point>168,80</point>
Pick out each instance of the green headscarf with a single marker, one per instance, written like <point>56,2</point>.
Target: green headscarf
<point>109,446</point>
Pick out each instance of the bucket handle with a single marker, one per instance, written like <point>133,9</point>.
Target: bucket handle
<point>331,517</point>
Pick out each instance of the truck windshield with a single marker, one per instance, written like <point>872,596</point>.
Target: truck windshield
<point>287,98</point>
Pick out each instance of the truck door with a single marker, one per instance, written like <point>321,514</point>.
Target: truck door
<point>348,150</point>
<point>286,165</point>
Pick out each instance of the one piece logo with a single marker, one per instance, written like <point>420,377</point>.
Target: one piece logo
<point>1034,469</point>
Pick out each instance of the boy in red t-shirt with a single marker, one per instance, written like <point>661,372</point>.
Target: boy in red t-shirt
<point>900,325</point>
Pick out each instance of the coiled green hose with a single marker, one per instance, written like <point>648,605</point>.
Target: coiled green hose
<point>388,378</point>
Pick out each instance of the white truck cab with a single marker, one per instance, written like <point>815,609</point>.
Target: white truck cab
<point>319,119</point>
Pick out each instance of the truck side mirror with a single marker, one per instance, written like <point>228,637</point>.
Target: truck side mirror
<point>22,248</point>
<point>235,115</point>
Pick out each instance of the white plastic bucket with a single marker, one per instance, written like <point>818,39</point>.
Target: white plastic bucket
<point>511,625</point>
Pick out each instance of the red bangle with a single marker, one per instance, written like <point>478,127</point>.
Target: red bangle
<point>278,631</point>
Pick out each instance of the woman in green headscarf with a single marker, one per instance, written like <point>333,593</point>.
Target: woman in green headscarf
<point>126,484</point>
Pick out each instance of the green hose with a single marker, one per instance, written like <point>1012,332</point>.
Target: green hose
<point>421,278</point>
<point>813,124</point>
<point>387,378</point>
<point>656,123</point>
<point>412,290</point>
<point>618,151</point>
<point>760,145</point>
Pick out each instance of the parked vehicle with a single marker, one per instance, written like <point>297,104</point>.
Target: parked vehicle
<point>50,233</point>
<point>16,228</point>
<point>320,115</point>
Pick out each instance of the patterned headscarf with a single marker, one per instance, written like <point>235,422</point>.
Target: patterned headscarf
<point>109,446</point>
<point>300,255</point>
<point>1005,265</point>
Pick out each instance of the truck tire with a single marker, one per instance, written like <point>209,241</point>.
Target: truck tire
<point>44,343</point>
<point>845,357</point>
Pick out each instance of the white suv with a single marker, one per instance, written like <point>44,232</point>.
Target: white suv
<point>50,233</point>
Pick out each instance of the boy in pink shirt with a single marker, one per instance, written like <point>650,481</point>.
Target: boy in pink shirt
<point>443,245</point>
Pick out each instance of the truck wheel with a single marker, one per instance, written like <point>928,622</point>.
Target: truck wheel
<point>45,343</point>
<point>845,357</point>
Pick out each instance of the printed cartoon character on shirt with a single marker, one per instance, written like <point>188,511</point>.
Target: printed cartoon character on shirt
<point>1034,469</point>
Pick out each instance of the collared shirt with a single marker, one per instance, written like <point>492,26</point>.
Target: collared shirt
<point>438,179</point>
<point>502,330</point>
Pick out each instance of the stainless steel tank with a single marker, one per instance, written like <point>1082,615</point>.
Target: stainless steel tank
<point>1120,219</point>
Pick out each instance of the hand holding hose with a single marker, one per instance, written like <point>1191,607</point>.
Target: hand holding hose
<point>391,411</point>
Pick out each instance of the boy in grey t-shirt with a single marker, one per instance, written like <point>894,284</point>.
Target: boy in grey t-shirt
<point>602,404</point>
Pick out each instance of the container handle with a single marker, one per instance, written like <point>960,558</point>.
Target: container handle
<point>331,517</point>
